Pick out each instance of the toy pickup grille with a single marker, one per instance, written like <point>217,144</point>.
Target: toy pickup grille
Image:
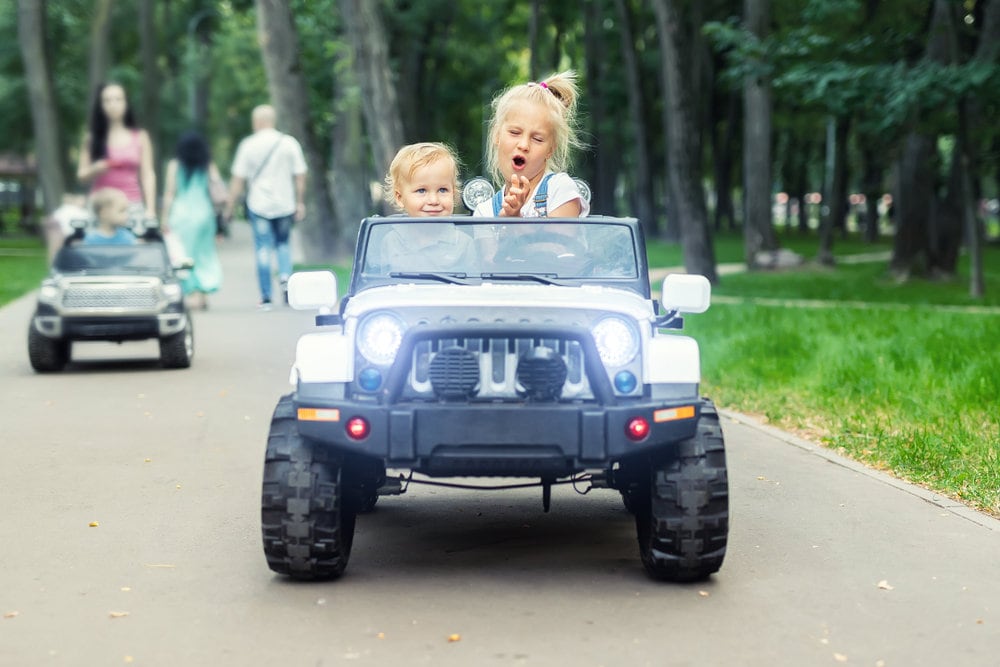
<point>110,295</point>
<point>497,362</point>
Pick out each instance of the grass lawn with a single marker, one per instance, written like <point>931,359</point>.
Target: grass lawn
<point>23,264</point>
<point>901,377</point>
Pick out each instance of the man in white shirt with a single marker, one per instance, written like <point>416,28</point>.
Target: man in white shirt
<point>270,166</point>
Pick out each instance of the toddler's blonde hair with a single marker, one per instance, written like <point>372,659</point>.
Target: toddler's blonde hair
<point>411,157</point>
<point>558,94</point>
<point>105,197</point>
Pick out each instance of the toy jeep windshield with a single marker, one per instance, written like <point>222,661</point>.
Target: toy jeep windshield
<point>110,293</point>
<point>477,347</point>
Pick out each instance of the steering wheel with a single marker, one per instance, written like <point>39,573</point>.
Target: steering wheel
<point>542,243</point>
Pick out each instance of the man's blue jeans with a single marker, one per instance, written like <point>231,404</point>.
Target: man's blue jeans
<point>270,237</point>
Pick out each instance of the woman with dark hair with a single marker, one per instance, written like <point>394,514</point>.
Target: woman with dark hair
<point>116,153</point>
<point>190,214</point>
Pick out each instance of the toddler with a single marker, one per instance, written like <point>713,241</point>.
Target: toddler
<point>423,182</point>
<point>111,208</point>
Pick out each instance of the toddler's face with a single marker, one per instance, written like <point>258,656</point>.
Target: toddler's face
<point>526,141</point>
<point>116,213</point>
<point>429,191</point>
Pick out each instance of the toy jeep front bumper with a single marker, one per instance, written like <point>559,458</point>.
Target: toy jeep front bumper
<point>547,440</point>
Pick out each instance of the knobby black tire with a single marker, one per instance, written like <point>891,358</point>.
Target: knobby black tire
<point>307,527</point>
<point>682,519</point>
<point>177,350</point>
<point>47,355</point>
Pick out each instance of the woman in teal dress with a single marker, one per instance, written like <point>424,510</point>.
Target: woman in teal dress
<point>190,214</point>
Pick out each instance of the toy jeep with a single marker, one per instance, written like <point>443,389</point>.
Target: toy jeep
<point>110,293</point>
<point>476,347</point>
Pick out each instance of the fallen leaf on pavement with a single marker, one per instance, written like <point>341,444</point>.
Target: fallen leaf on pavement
<point>11,614</point>
<point>703,594</point>
<point>454,638</point>
<point>380,635</point>
<point>840,657</point>
<point>884,585</point>
<point>118,614</point>
<point>93,524</point>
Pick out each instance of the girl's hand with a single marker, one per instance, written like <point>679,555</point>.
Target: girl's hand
<point>517,194</point>
<point>99,167</point>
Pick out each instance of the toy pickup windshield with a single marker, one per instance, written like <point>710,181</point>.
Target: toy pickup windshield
<point>138,258</point>
<point>462,251</point>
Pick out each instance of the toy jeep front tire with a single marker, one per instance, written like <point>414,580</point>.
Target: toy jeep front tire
<point>682,514</point>
<point>307,526</point>
<point>46,354</point>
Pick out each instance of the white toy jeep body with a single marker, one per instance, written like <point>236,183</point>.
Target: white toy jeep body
<point>481,348</point>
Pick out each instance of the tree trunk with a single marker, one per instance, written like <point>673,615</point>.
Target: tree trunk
<point>834,214</point>
<point>150,71</point>
<point>684,168</point>
<point>374,73</point>
<point>723,152</point>
<point>607,155</point>
<point>642,192</point>
<point>915,239</point>
<point>913,199</point>
<point>279,47</point>
<point>871,186</point>
<point>38,77</point>
<point>758,226</point>
<point>988,50</point>
<point>535,57</point>
<point>100,51</point>
<point>350,166</point>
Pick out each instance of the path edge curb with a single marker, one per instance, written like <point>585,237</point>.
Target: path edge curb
<point>943,502</point>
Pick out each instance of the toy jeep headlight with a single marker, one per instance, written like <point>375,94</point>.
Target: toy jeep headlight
<point>379,338</point>
<point>617,341</point>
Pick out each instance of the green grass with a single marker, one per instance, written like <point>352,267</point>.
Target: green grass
<point>23,264</point>
<point>899,383</point>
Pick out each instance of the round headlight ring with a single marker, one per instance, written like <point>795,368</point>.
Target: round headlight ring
<point>617,341</point>
<point>379,338</point>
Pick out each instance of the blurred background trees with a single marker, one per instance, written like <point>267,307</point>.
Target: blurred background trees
<point>700,115</point>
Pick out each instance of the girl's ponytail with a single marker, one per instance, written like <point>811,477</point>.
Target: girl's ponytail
<point>563,88</point>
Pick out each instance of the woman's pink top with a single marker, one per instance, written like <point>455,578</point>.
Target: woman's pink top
<point>123,169</point>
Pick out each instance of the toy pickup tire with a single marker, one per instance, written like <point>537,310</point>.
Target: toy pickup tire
<point>177,350</point>
<point>307,526</point>
<point>47,355</point>
<point>682,516</point>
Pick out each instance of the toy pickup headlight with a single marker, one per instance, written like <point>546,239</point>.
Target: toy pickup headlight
<point>48,292</point>
<point>617,341</point>
<point>173,292</point>
<point>379,338</point>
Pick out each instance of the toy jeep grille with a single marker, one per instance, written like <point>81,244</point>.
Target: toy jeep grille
<point>498,368</point>
<point>111,295</point>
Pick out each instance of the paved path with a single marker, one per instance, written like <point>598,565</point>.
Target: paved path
<point>828,563</point>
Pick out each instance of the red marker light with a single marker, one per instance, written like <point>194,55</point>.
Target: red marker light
<point>357,428</point>
<point>637,429</point>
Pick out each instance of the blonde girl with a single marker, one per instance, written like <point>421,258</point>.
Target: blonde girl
<point>530,136</point>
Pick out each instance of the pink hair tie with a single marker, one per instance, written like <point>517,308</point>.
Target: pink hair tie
<point>543,84</point>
